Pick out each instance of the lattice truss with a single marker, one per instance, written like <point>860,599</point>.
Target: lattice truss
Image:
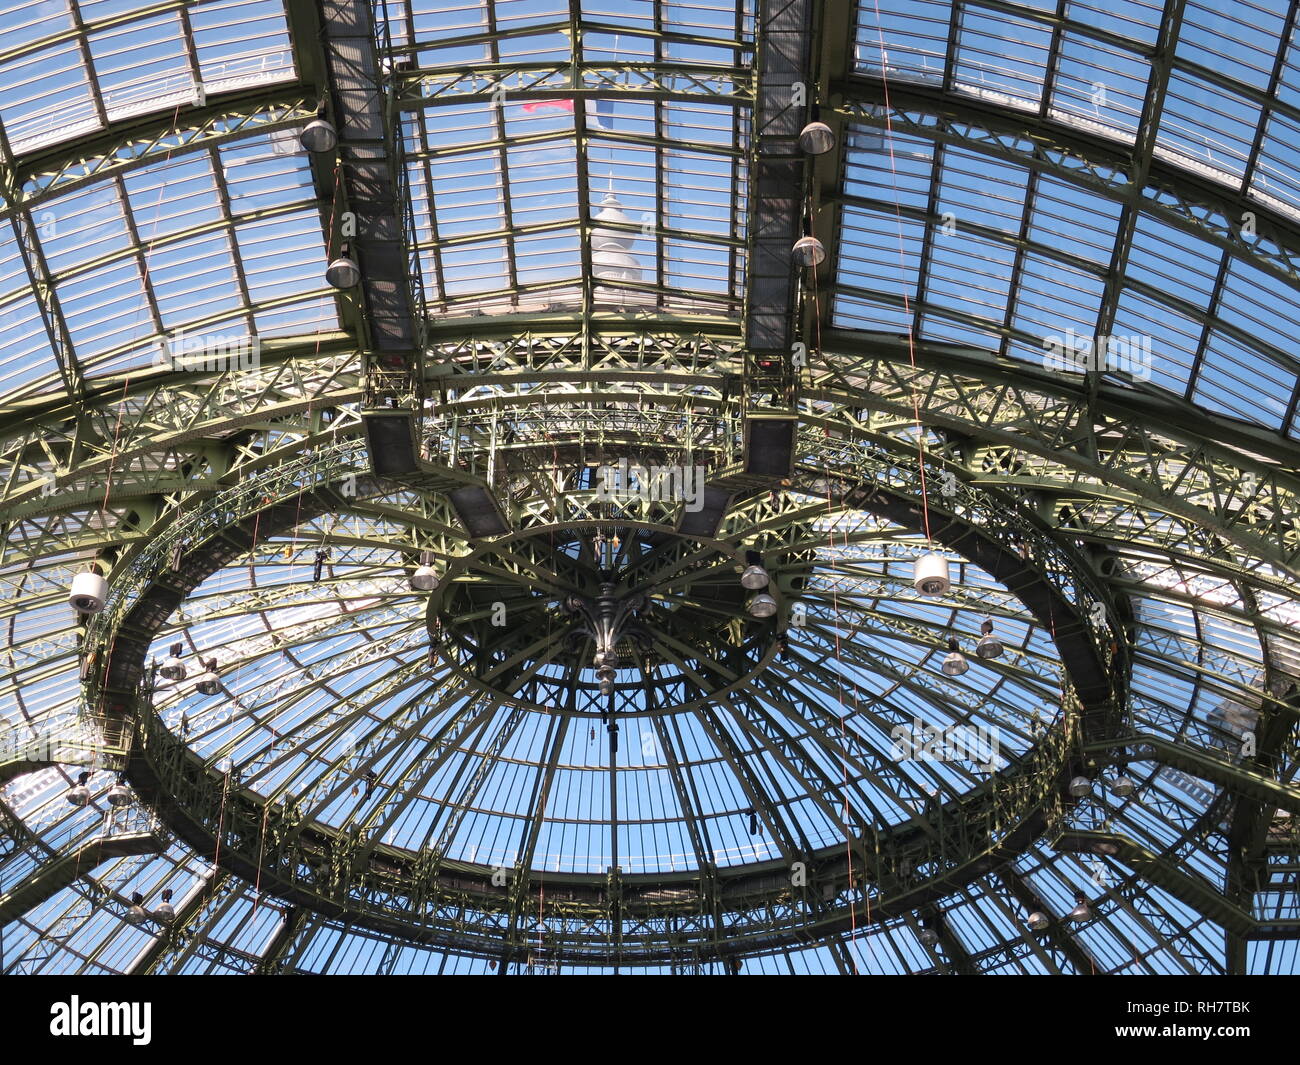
<point>1001,175</point>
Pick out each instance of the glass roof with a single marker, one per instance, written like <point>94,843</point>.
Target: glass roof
<point>1053,256</point>
<point>581,217</point>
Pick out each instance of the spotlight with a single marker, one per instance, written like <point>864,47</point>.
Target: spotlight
<point>88,592</point>
<point>606,674</point>
<point>165,911</point>
<point>425,578</point>
<point>1082,911</point>
<point>79,793</point>
<point>929,937</point>
<point>816,138</point>
<point>207,682</point>
<point>755,576</point>
<point>954,663</point>
<point>1037,922</point>
<point>761,605</point>
<point>172,667</point>
<point>809,251</point>
<point>343,271</point>
<point>319,136</point>
<point>1080,786</point>
<point>1122,786</point>
<point>930,574</point>
<point>136,915</point>
<point>989,646</point>
<point>119,794</point>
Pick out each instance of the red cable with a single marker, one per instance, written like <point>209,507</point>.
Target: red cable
<point>902,265</point>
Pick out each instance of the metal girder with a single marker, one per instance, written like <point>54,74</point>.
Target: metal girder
<point>1066,442</point>
<point>48,879</point>
<point>211,899</point>
<point>417,88</point>
<point>1015,411</point>
<point>1176,194</point>
<point>32,180</point>
<point>1248,502</point>
<point>778,197</point>
<point>157,407</point>
<point>1230,474</point>
<point>375,903</point>
<point>1246,499</point>
<point>1240,778</point>
<point>172,938</point>
<point>1059,933</point>
<point>372,182</point>
<point>284,940</point>
<point>955,957</point>
<point>337,876</point>
<point>1253,814</point>
<point>1190,888</point>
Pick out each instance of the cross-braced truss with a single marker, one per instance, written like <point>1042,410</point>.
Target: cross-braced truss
<point>568,218</point>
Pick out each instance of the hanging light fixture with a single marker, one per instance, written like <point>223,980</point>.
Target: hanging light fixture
<point>136,914</point>
<point>754,576</point>
<point>207,682</point>
<point>343,271</point>
<point>761,605</point>
<point>989,646</point>
<point>318,566</point>
<point>1122,786</point>
<point>119,794</point>
<point>808,250</point>
<point>928,936</point>
<point>1080,786</point>
<point>954,663</point>
<point>319,135</point>
<point>1038,921</point>
<point>425,578</point>
<point>165,911</point>
<point>172,667</point>
<point>606,674</point>
<point>930,574</point>
<point>1082,911</point>
<point>816,138</point>
<point>79,793</point>
<point>88,592</point>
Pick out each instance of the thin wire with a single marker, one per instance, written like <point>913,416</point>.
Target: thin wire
<point>221,816</point>
<point>261,850</point>
<point>145,282</point>
<point>902,267</point>
<point>329,236</point>
<point>844,763</point>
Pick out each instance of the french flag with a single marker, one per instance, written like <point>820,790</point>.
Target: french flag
<point>600,113</point>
